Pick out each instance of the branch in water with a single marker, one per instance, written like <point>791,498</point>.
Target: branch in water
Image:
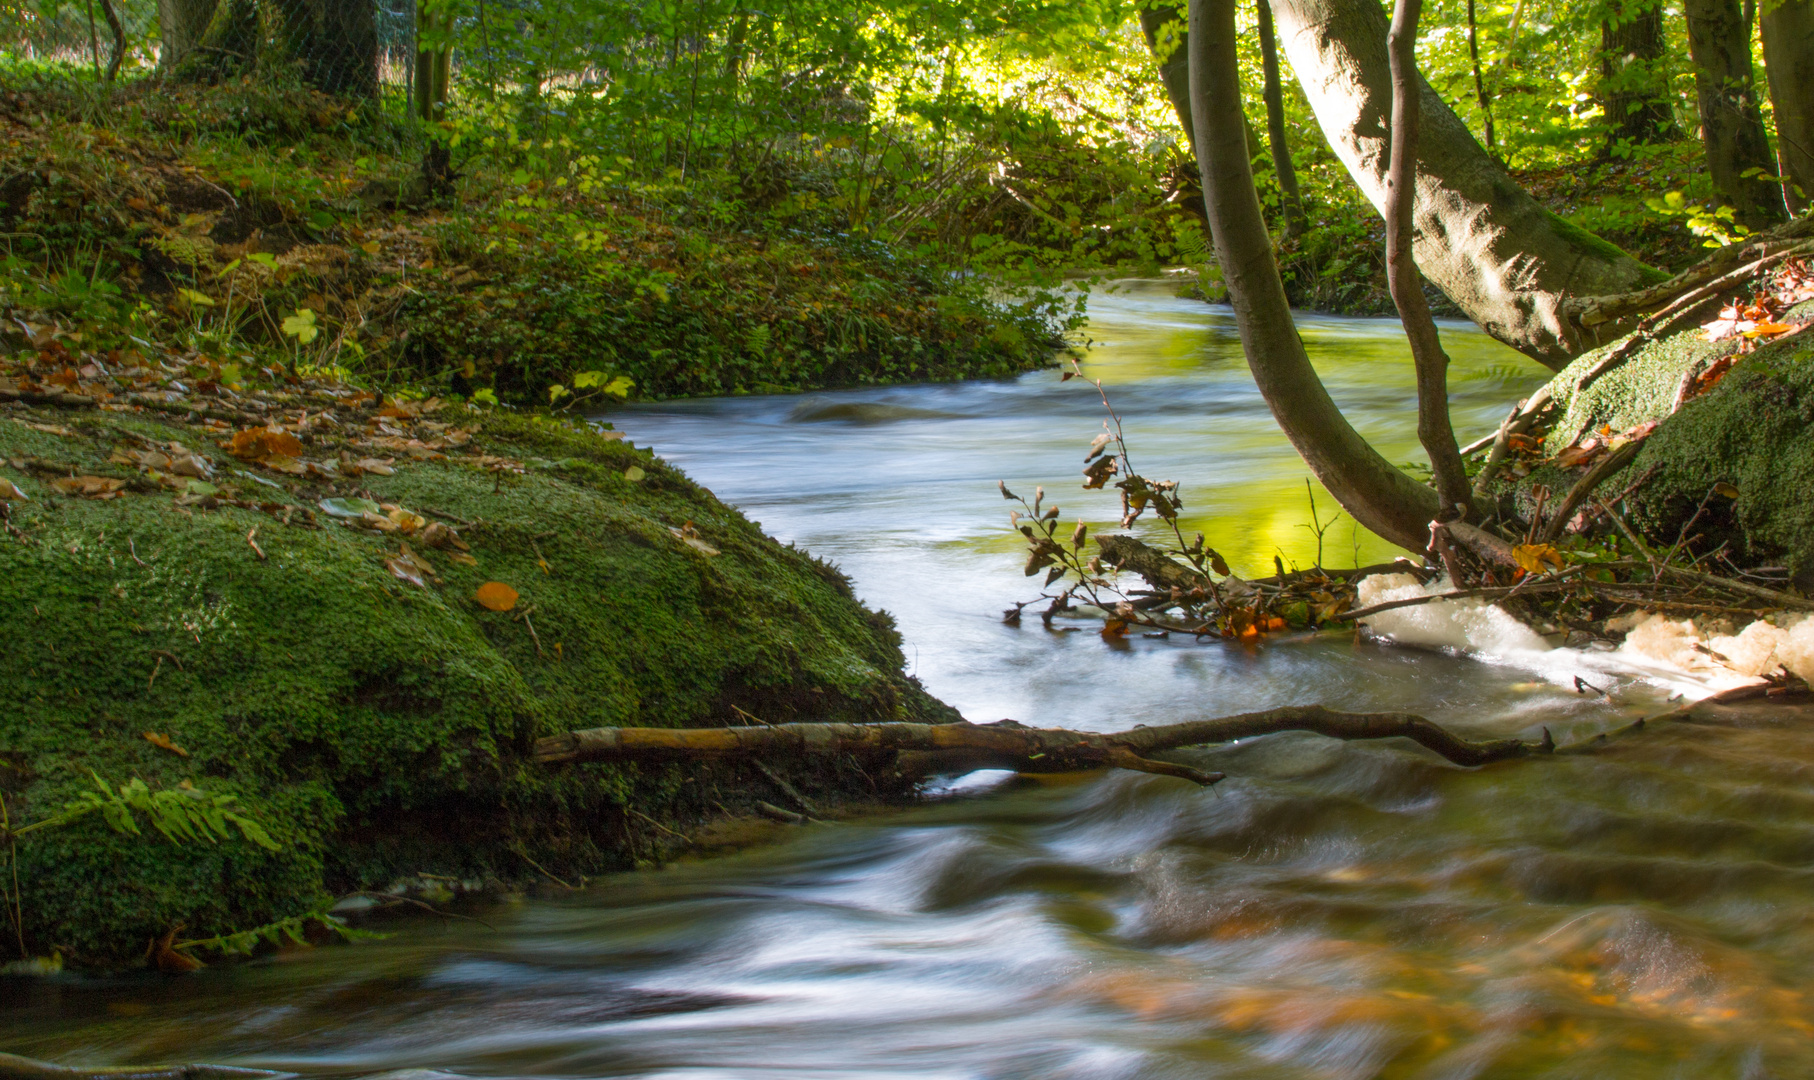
<point>917,750</point>
<point>14,1067</point>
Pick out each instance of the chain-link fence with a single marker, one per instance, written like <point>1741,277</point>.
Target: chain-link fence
<point>360,47</point>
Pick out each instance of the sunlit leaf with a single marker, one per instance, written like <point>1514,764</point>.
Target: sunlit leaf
<point>495,596</point>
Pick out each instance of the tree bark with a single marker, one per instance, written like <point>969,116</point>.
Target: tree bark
<point>1168,37</point>
<point>1406,284</point>
<point>915,751</point>
<point>181,25</point>
<point>1788,33</point>
<point>1732,126</point>
<point>1500,256</point>
<point>1634,87</point>
<point>119,39</point>
<point>1368,486</point>
<point>1291,201</point>
<point>1486,104</point>
<point>334,41</point>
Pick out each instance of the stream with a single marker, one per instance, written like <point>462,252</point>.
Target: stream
<point>1330,912</point>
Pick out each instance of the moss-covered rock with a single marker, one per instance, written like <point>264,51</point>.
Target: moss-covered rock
<point>375,727</point>
<point>1751,431</point>
<point>1755,432</point>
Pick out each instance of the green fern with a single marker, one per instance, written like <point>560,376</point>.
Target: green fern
<point>276,934</point>
<point>184,813</point>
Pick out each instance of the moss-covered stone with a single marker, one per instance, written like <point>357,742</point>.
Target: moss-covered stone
<point>1751,431</point>
<point>374,727</point>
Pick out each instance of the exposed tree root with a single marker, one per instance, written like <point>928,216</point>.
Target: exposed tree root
<point>918,750</point>
<point>13,1067</point>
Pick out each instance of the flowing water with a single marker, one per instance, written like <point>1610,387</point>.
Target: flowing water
<point>1330,911</point>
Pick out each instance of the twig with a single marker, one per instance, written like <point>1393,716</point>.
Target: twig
<point>155,668</point>
<point>787,789</point>
<point>445,516</point>
<point>524,855</point>
<point>256,550</point>
<point>678,836</point>
<point>132,549</point>
<point>1594,477</point>
<point>399,899</point>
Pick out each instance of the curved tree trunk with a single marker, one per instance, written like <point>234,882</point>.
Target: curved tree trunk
<point>1368,486</point>
<point>1732,126</point>
<point>1788,33</point>
<point>1433,428</point>
<point>1634,87</point>
<point>1500,256</point>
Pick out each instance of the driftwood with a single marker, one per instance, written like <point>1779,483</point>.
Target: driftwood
<point>14,1067</point>
<point>919,750</point>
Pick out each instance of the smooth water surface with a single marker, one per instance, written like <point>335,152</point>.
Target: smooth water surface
<point>1329,911</point>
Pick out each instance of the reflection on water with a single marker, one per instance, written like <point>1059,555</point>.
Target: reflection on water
<point>1330,911</point>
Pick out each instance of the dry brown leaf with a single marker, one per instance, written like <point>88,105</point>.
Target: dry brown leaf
<point>10,492</point>
<point>437,535</point>
<point>162,742</point>
<point>407,521</point>
<point>258,444</point>
<point>167,959</point>
<point>88,487</point>
<point>404,570</point>
<point>48,429</point>
<point>495,596</point>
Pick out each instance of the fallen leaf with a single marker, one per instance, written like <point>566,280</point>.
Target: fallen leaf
<point>258,444</point>
<point>9,492</point>
<point>496,596</point>
<point>462,558</point>
<point>162,742</point>
<point>1536,558</point>
<point>381,466</point>
<point>634,473</point>
<point>689,536</point>
<point>404,570</point>
<point>88,487</point>
<point>348,508</point>
<point>406,521</point>
<point>437,535</point>
<point>48,429</point>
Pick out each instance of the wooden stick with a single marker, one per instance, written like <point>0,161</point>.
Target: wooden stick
<point>14,1067</point>
<point>922,749</point>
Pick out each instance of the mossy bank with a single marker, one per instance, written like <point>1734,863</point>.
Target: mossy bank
<point>375,727</point>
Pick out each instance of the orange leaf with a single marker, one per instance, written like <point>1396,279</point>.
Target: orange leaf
<point>258,444</point>
<point>496,596</point>
<point>162,742</point>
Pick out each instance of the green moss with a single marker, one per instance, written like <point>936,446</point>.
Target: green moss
<point>1598,246</point>
<point>1641,388</point>
<point>1755,431</point>
<point>376,728</point>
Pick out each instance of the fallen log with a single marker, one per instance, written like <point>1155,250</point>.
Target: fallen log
<point>14,1067</point>
<point>918,750</point>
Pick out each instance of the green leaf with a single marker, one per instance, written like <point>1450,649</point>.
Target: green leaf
<point>349,508</point>
<point>301,326</point>
<point>196,299</point>
<point>486,395</point>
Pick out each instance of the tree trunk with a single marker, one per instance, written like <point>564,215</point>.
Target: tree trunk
<point>334,42</point>
<point>1368,486</point>
<point>1634,85</point>
<point>1732,126</point>
<point>1486,104</point>
<point>1788,33</point>
<point>181,25</point>
<point>1406,284</point>
<point>1500,256</point>
<point>1168,37</point>
<point>1289,198</point>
